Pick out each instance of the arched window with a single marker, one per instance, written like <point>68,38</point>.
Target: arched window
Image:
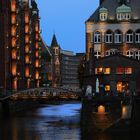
<point>137,55</point>
<point>109,36</point>
<point>118,36</point>
<point>129,36</point>
<point>97,37</point>
<point>97,54</point>
<point>130,54</point>
<point>137,36</point>
<point>110,52</point>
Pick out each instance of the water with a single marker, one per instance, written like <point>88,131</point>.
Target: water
<point>48,122</point>
<point>58,122</point>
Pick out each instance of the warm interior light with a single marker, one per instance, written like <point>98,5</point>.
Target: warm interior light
<point>36,46</point>
<point>26,17</point>
<point>36,27</point>
<point>26,48</point>
<point>13,5</point>
<point>13,18</point>
<point>13,31</point>
<point>37,54</point>
<point>14,69</point>
<point>13,42</point>
<point>37,75</point>
<point>27,38</point>
<point>37,63</point>
<point>27,29</point>
<point>101,109</point>
<point>27,59</point>
<point>27,71</point>
<point>13,54</point>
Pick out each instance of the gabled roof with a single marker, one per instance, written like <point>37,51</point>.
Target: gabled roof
<point>112,5</point>
<point>54,41</point>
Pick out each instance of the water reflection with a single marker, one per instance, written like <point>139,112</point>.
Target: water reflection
<point>61,122</point>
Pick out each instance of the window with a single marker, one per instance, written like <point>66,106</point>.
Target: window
<point>128,70</point>
<point>123,16</point>
<point>118,36</point>
<point>129,37</point>
<point>108,37</point>
<point>102,70</point>
<point>120,70</point>
<point>103,16</point>
<point>110,52</point>
<point>107,87</point>
<point>106,70</point>
<point>99,70</point>
<point>97,37</point>
<point>97,54</point>
<point>130,54</point>
<point>137,55</point>
<point>137,36</point>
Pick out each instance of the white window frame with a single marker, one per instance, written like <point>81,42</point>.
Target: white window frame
<point>97,37</point>
<point>103,16</point>
<point>137,35</point>
<point>128,37</point>
<point>110,38</point>
<point>129,54</point>
<point>118,38</point>
<point>137,55</point>
<point>97,54</point>
<point>123,16</point>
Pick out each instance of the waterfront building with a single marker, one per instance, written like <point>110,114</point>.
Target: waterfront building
<point>113,46</point>
<point>19,40</point>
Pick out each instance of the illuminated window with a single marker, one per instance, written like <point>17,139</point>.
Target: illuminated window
<point>120,70</point>
<point>27,59</point>
<point>14,54</point>
<point>36,27</point>
<point>27,38</point>
<point>119,86</point>
<point>26,48</point>
<point>98,70</point>
<point>106,70</point>
<point>36,46</point>
<point>13,5</point>
<point>13,18</point>
<point>26,28</point>
<point>37,63</point>
<point>128,70</point>
<point>26,17</point>
<point>13,31</point>
<point>14,69</point>
<point>37,75</point>
<point>27,71</point>
<point>13,42</point>
<point>107,87</point>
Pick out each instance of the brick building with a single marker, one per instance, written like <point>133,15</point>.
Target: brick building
<point>113,46</point>
<point>19,39</point>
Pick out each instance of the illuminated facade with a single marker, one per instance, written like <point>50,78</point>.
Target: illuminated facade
<point>113,45</point>
<point>20,45</point>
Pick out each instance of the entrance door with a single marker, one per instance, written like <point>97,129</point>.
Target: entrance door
<point>122,86</point>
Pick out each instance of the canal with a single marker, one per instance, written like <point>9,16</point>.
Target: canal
<point>55,122</point>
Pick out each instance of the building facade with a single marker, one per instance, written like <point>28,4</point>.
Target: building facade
<point>65,66</point>
<point>113,45</point>
<point>20,36</point>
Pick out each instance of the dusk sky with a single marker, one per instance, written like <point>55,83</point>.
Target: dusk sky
<point>66,18</point>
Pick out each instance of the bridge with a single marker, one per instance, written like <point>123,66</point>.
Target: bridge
<point>42,93</point>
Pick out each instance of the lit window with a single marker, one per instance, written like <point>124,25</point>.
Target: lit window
<point>97,37</point>
<point>107,87</point>
<point>106,70</point>
<point>99,71</point>
<point>120,70</point>
<point>119,86</point>
<point>128,70</point>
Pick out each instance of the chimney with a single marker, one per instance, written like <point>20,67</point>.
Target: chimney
<point>101,1</point>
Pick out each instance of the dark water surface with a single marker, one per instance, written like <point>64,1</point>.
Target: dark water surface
<point>55,122</point>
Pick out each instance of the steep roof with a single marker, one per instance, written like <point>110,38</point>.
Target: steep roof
<point>112,5</point>
<point>54,41</point>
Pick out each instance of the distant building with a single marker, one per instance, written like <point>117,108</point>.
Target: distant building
<point>19,41</point>
<point>113,46</point>
<point>65,66</point>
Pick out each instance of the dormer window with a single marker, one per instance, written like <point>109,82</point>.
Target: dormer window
<point>103,14</point>
<point>123,13</point>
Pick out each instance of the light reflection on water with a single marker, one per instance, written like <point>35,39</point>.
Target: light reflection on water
<point>53,122</point>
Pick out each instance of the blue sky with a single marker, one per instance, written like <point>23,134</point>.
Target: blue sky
<point>66,18</point>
